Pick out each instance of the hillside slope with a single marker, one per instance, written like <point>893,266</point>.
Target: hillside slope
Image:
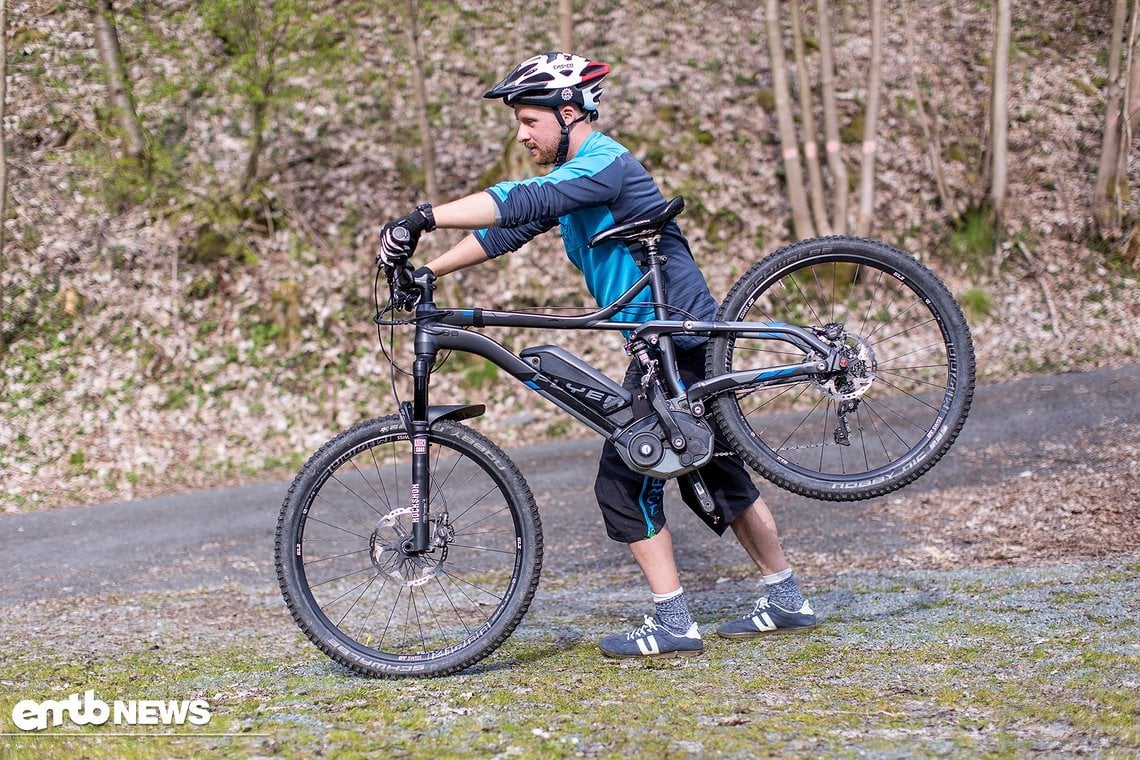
<point>141,359</point>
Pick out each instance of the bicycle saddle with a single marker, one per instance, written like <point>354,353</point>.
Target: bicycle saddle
<point>641,229</point>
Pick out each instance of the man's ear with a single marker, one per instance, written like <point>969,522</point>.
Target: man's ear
<point>569,112</point>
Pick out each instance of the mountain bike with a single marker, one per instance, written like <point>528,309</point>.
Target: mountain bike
<point>838,368</point>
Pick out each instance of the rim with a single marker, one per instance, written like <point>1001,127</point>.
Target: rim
<point>902,398</point>
<point>384,606</point>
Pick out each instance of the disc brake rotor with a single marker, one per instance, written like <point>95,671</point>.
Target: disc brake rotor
<point>390,558</point>
<point>857,377</point>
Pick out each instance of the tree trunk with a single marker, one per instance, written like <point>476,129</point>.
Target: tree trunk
<point>831,122</point>
<point>870,123</point>
<point>801,217</point>
<point>931,135</point>
<point>420,92</point>
<point>999,108</point>
<point>807,117</point>
<point>1103,206</point>
<point>3,164</point>
<point>118,86</point>
<point>256,143</point>
<point>566,25</point>
<point>1127,96</point>
<point>1132,95</point>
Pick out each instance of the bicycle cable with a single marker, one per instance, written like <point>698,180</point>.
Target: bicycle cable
<point>628,310</point>
<point>389,350</point>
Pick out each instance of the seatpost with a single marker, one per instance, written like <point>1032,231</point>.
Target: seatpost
<point>655,261</point>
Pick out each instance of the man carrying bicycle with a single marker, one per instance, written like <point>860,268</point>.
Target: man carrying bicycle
<point>594,184</point>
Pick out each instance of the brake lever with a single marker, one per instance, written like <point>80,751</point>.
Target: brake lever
<point>405,293</point>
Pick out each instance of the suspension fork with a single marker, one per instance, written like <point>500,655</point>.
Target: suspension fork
<point>420,487</point>
<point>418,425</point>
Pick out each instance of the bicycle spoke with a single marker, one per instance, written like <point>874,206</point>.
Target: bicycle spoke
<point>359,596</point>
<point>399,606</point>
<point>842,434</point>
<point>337,527</point>
<point>907,393</point>
<point>371,487</point>
<point>311,562</point>
<point>368,616</point>
<point>481,548</point>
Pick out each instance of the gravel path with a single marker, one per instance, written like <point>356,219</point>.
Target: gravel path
<point>1067,460</point>
<point>990,608</point>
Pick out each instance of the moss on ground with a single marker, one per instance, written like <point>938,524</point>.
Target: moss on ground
<point>960,664</point>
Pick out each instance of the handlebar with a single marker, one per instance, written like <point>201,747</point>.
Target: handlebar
<point>408,286</point>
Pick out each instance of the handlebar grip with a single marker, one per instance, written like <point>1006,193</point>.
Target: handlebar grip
<point>403,276</point>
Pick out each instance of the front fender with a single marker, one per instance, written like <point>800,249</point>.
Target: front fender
<point>443,412</point>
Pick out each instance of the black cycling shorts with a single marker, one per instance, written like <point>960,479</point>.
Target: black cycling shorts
<point>632,503</point>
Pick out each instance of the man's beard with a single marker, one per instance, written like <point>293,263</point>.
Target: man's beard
<point>541,157</point>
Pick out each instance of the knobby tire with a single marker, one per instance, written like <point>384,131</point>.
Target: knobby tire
<point>381,612</point>
<point>906,327</point>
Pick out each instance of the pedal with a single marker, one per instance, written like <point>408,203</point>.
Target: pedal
<point>702,493</point>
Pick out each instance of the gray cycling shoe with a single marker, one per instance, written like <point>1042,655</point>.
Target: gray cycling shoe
<point>768,617</point>
<point>653,640</point>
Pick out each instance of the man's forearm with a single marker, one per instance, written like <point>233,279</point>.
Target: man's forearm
<point>471,212</point>
<point>466,253</point>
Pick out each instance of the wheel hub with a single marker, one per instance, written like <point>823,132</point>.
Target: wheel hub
<point>857,375</point>
<point>391,557</point>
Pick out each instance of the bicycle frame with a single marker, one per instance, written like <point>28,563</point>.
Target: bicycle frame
<point>444,329</point>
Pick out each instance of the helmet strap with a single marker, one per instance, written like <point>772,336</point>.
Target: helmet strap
<point>564,140</point>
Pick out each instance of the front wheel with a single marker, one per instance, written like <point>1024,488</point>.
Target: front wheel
<point>896,409</point>
<point>358,592</point>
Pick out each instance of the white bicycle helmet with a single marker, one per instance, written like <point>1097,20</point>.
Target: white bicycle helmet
<point>551,80</point>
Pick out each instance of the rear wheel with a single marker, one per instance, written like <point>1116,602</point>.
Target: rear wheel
<point>365,600</point>
<point>896,409</point>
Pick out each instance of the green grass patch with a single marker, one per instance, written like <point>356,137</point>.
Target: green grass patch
<point>883,674</point>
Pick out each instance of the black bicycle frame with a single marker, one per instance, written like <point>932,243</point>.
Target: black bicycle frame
<point>444,329</point>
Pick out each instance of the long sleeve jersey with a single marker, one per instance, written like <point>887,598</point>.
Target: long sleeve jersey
<point>602,185</point>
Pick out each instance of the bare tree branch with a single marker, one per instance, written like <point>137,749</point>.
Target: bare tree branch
<point>1000,110</point>
<point>420,92</point>
<point>1035,272</point>
<point>1104,207</point>
<point>870,123</point>
<point>931,135</point>
<point>3,161</point>
<point>831,122</point>
<point>118,86</point>
<point>801,217</point>
<point>1129,111</point>
<point>566,25</point>
<point>811,152</point>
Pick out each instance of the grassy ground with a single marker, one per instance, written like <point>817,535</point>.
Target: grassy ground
<point>963,663</point>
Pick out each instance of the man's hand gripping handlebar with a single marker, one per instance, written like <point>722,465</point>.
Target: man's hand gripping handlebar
<point>398,241</point>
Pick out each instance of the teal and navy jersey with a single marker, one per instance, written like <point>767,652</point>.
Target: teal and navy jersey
<point>602,185</point>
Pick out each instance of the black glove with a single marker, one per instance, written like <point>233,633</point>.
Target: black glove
<point>399,237</point>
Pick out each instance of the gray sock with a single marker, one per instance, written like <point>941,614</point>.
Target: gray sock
<point>783,590</point>
<point>672,612</point>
